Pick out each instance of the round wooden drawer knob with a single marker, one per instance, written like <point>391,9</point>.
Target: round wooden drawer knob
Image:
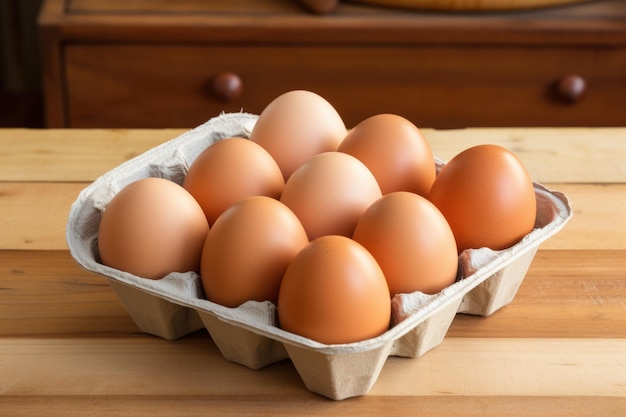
<point>570,88</point>
<point>227,86</point>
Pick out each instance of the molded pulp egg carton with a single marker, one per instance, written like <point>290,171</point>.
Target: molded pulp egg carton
<point>174,306</point>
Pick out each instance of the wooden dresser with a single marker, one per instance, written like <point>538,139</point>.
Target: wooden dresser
<point>159,63</point>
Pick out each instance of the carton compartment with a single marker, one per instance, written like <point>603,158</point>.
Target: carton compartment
<point>339,375</point>
<point>155,315</point>
<point>242,345</point>
<point>175,306</point>
<point>426,335</point>
<point>499,290</point>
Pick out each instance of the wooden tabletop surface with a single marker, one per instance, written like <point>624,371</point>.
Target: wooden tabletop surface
<point>69,348</point>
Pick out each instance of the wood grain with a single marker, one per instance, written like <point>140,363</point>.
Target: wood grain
<point>565,294</point>
<point>320,6</point>
<point>424,84</point>
<point>148,63</point>
<point>34,215</point>
<point>563,155</point>
<point>458,367</point>
<point>469,5</point>
<point>69,348</point>
<point>306,405</point>
<point>180,6</point>
<point>47,292</point>
<point>74,155</point>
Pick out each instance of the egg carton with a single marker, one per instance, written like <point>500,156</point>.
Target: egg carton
<point>174,306</point>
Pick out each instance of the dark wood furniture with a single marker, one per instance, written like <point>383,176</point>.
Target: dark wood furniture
<point>156,63</point>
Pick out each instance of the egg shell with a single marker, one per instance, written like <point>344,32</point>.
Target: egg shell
<point>247,251</point>
<point>329,193</point>
<point>395,151</point>
<point>229,171</point>
<point>296,126</point>
<point>334,292</point>
<point>487,196</point>
<point>152,227</point>
<point>174,306</point>
<point>411,241</point>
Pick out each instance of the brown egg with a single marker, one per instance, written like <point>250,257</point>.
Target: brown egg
<point>248,249</point>
<point>152,227</point>
<point>411,241</point>
<point>229,171</point>
<point>329,193</point>
<point>487,196</point>
<point>296,126</point>
<point>334,292</point>
<point>396,152</point>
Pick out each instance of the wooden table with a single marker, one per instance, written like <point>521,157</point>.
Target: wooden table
<point>68,347</point>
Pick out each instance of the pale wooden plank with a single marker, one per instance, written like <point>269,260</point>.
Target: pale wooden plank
<point>33,216</point>
<point>561,155</point>
<point>71,154</point>
<point>519,320</point>
<point>477,366</point>
<point>133,365</point>
<point>47,292</point>
<point>598,220</point>
<point>194,366</point>
<point>305,405</point>
<point>565,294</point>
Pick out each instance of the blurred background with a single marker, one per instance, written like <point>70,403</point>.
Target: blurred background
<point>164,63</point>
<point>20,69</point>
<point>22,93</point>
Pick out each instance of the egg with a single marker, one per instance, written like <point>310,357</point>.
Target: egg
<point>334,292</point>
<point>229,171</point>
<point>152,227</point>
<point>396,152</point>
<point>248,249</point>
<point>487,197</point>
<point>297,125</point>
<point>411,241</point>
<point>329,193</point>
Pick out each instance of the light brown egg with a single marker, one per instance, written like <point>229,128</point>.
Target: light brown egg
<point>396,152</point>
<point>296,126</point>
<point>248,249</point>
<point>487,196</point>
<point>411,241</point>
<point>334,292</point>
<point>229,171</point>
<point>152,227</point>
<point>329,193</point>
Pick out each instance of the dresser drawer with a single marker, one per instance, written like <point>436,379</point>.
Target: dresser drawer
<point>150,85</point>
